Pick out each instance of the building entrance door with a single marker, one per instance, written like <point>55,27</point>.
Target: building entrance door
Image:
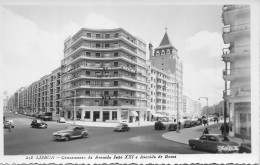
<point>96,115</point>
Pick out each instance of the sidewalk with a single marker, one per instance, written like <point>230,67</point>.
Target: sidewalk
<point>108,124</point>
<point>195,132</point>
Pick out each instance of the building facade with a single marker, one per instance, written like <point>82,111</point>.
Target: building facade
<point>236,32</point>
<point>104,76</point>
<point>166,79</point>
<point>191,108</point>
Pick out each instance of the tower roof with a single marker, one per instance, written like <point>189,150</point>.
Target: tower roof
<point>165,41</point>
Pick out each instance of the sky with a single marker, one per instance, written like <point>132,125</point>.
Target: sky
<point>33,36</point>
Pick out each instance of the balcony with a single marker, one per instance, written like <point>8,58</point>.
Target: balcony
<point>238,73</point>
<point>102,48</point>
<point>101,38</point>
<point>231,11</point>
<point>231,54</point>
<point>231,32</point>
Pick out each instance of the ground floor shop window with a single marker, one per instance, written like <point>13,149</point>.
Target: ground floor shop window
<point>124,115</point>
<point>87,114</point>
<point>114,115</point>
<point>105,115</point>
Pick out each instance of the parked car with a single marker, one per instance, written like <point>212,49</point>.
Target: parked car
<point>61,120</point>
<point>245,147</point>
<point>8,122</point>
<point>16,113</point>
<point>193,123</point>
<point>71,132</point>
<point>199,122</point>
<point>37,123</point>
<point>189,123</point>
<point>172,127</point>
<point>214,143</point>
<point>121,127</point>
<point>47,116</point>
<point>159,125</point>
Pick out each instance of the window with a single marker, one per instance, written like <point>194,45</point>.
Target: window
<point>107,35</point>
<point>211,138</point>
<point>115,83</point>
<point>97,45</point>
<point>162,53</point>
<point>97,55</point>
<point>115,73</point>
<point>114,102</point>
<point>116,64</point>
<point>114,115</point>
<point>87,93</point>
<point>168,51</point>
<point>97,74</point>
<point>106,74</point>
<point>107,45</point>
<point>106,102</point>
<point>97,64</point>
<point>88,73</point>
<point>157,53</point>
<point>106,93</point>
<point>87,115</point>
<point>98,36</point>
<point>87,82</point>
<point>89,35</point>
<point>116,35</point>
<point>203,138</point>
<point>115,93</point>
<point>116,54</point>
<point>116,45</point>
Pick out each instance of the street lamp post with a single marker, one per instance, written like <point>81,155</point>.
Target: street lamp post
<point>178,130</point>
<point>207,99</point>
<point>74,112</point>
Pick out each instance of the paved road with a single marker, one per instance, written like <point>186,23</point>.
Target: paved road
<point>26,140</point>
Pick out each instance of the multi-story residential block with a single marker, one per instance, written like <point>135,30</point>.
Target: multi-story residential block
<point>236,32</point>
<point>166,82</point>
<point>105,73</point>
<point>191,108</point>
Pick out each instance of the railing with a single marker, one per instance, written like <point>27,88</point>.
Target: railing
<point>120,66</point>
<point>236,28</point>
<point>103,37</point>
<point>103,76</point>
<point>228,8</point>
<point>101,85</point>
<point>102,47</point>
<point>236,71</point>
<point>102,104</point>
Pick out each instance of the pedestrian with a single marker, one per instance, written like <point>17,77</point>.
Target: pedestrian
<point>222,129</point>
<point>206,131</point>
<point>227,128</point>
<point>204,122</point>
<point>179,125</point>
<point>9,127</point>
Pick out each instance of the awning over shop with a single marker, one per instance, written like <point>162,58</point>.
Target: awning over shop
<point>133,113</point>
<point>157,115</point>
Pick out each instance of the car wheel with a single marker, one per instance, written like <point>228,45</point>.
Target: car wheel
<point>84,136</point>
<point>193,147</point>
<point>67,138</point>
<point>12,126</point>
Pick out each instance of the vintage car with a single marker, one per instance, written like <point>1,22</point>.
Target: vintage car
<point>71,132</point>
<point>159,125</point>
<point>189,123</point>
<point>7,123</point>
<point>121,127</point>
<point>61,120</point>
<point>37,123</point>
<point>245,147</point>
<point>214,143</point>
<point>172,127</point>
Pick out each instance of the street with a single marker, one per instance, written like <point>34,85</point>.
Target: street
<point>24,140</point>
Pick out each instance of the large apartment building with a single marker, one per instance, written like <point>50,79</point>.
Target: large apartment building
<point>166,81</point>
<point>106,71</point>
<point>236,32</point>
<point>191,107</point>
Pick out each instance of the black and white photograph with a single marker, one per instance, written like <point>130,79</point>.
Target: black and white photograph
<point>158,82</point>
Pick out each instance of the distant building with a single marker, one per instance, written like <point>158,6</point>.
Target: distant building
<point>236,32</point>
<point>191,108</point>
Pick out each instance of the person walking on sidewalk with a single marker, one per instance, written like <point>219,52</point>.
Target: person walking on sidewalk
<point>179,125</point>
<point>222,129</point>
<point>206,131</point>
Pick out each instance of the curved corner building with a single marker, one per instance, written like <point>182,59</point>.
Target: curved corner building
<point>236,32</point>
<point>106,71</point>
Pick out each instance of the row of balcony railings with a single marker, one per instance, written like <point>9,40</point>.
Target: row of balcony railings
<point>237,71</point>
<point>102,104</point>
<point>105,76</point>
<point>228,8</point>
<point>103,37</point>
<point>105,67</point>
<point>104,47</point>
<point>105,56</point>
<point>236,49</point>
<point>236,28</point>
<point>106,96</point>
<point>101,85</point>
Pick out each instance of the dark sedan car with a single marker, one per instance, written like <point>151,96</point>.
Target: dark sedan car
<point>172,127</point>
<point>159,125</point>
<point>121,127</point>
<point>37,123</point>
<point>245,147</point>
<point>189,123</point>
<point>214,143</point>
<point>71,132</point>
